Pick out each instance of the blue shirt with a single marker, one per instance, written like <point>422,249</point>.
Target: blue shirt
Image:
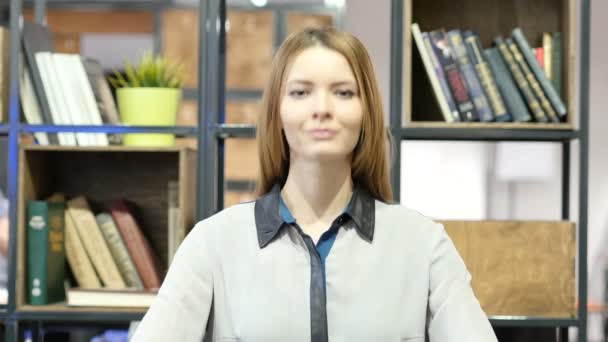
<point>326,241</point>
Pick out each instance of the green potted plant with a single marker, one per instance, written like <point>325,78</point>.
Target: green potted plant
<point>149,95</point>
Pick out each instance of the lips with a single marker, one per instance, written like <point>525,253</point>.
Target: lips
<point>322,134</point>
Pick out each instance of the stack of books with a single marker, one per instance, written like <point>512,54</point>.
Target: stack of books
<point>509,82</point>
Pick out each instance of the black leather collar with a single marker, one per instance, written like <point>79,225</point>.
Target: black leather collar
<point>268,220</point>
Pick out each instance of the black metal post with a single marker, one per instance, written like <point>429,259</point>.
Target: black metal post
<point>584,168</point>
<point>212,61</point>
<point>396,94</point>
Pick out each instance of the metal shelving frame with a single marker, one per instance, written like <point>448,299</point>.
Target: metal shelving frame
<point>212,133</point>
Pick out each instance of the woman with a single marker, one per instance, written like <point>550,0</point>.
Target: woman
<point>321,255</point>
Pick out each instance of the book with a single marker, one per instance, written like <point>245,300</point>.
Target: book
<point>556,62</point>
<point>532,81</point>
<point>547,55</point>
<point>125,298</point>
<point>467,69</point>
<point>119,251</point>
<point>77,257</point>
<point>94,243</point>
<point>485,77</point>
<point>176,230</point>
<point>545,85</point>
<point>29,103</point>
<point>138,246</point>
<point>520,80</point>
<point>430,71</point>
<point>454,77</point>
<point>516,106</point>
<point>445,88</point>
<point>539,53</point>
<point>45,253</point>
<point>36,38</point>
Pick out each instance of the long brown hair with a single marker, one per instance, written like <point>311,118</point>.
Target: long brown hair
<point>370,164</point>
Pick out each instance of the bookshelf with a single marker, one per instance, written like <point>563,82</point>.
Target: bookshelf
<point>415,116</point>
<point>499,18</point>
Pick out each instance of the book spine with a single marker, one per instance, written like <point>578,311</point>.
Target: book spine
<point>56,252</point>
<point>454,77</point>
<point>548,54</point>
<point>424,56</point>
<point>540,57</point>
<point>556,61</point>
<point>119,251</point>
<point>470,76</point>
<point>445,88</point>
<point>137,245</point>
<point>79,261</point>
<point>94,243</point>
<point>37,247</point>
<point>534,85</point>
<point>485,76</point>
<point>521,81</point>
<point>516,105</point>
<point>544,85</point>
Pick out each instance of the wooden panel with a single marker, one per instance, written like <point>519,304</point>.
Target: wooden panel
<point>499,18</point>
<point>519,268</point>
<point>97,21</point>
<point>180,40</point>
<point>242,112</point>
<point>249,49</point>
<point>67,42</point>
<point>187,116</point>
<point>299,21</point>
<point>140,175</point>
<point>241,159</point>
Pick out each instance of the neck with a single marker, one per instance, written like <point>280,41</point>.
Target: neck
<point>317,192</point>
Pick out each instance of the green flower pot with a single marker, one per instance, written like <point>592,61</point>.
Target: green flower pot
<point>148,107</point>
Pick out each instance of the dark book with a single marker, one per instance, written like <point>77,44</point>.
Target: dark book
<point>37,38</point>
<point>556,62</point>
<point>516,106</point>
<point>532,81</point>
<point>455,79</point>
<point>445,88</point>
<point>103,96</point>
<point>486,78</point>
<point>45,252</point>
<point>476,92</point>
<point>520,80</point>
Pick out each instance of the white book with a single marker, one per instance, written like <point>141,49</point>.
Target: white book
<point>29,103</point>
<point>45,66</point>
<point>88,97</point>
<point>68,92</point>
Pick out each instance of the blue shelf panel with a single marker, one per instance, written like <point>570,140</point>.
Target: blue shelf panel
<point>79,316</point>
<point>118,129</point>
<point>235,131</point>
<point>522,321</point>
<point>4,128</point>
<point>484,134</point>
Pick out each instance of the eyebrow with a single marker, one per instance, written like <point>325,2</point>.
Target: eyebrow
<point>307,82</point>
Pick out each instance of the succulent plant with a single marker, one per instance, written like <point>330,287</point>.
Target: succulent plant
<point>152,71</point>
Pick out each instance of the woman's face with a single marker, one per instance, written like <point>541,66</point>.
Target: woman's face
<point>321,111</point>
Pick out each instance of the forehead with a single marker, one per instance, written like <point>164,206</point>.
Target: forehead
<point>320,63</point>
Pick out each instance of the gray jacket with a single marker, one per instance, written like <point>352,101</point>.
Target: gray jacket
<point>244,275</point>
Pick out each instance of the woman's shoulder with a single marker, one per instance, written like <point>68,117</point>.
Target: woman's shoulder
<point>239,216</point>
<point>404,219</point>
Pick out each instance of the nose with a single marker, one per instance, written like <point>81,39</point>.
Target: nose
<point>322,109</point>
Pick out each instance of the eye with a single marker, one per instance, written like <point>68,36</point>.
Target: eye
<point>346,94</point>
<point>298,93</point>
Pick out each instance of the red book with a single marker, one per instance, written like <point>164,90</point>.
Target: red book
<point>540,57</point>
<point>139,248</point>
